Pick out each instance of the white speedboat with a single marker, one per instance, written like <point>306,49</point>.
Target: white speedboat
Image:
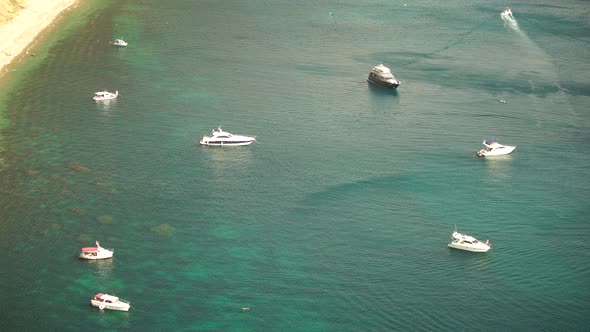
<point>381,75</point>
<point>120,42</point>
<point>105,95</point>
<point>219,137</point>
<point>97,252</point>
<point>106,301</point>
<point>468,243</point>
<point>507,13</point>
<point>493,148</point>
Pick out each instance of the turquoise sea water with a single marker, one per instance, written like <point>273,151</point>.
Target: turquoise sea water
<point>338,218</point>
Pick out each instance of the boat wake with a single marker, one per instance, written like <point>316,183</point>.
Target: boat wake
<point>509,19</point>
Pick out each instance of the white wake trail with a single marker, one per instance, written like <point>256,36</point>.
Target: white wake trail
<point>532,64</point>
<point>509,20</point>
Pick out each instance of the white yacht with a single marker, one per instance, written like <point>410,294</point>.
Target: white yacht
<point>97,252</point>
<point>105,95</point>
<point>468,243</point>
<point>493,148</point>
<point>381,75</point>
<point>219,137</point>
<point>120,42</point>
<point>106,301</point>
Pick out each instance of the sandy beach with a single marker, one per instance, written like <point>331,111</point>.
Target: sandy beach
<point>20,31</point>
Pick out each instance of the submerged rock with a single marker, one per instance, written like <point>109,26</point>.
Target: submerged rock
<point>76,209</point>
<point>164,230</point>
<point>109,188</point>
<point>78,167</point>
<point>59,178</point>
<point>106,219</point>
<point>85,238</point>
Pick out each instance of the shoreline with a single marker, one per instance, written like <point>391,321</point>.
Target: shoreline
<point>23,29</point>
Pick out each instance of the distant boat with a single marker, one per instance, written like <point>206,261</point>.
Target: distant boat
<point>222,138</point>
<point>381,75</point>
<point>507,13</point>
<point>105,95</point>
<point>106,301</point>
<point>97,252</point>
<point>493,148</point>
<point>467,242</point>
<point>120,42</point>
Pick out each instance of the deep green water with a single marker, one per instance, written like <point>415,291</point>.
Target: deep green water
<point>338,219</point>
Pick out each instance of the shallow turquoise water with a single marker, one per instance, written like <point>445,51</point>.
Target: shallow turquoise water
<point>339,217</point>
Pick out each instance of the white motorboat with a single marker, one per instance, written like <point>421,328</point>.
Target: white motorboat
<point>120,42</point>
<point>507,13</point>
<point>468,243</point>
<point>219,137</point>
<point>382,75</point>
<point>493,148</point>
<point>105,95</point>
<point>106,301</point>
<point>97,252</point>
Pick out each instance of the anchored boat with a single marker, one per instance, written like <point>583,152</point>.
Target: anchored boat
<point>382,75</point>
<point>105,95</point>
<point>120,42</point>
<point>106,301</point>
<point>467,242</point>
<point>219,137</point>
<point>493,148</point>
<point>97,252</point>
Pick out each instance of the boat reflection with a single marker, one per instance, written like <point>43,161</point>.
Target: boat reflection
<point>501,162</point>
<point>105,106</point>
<point>499,168</point>
<point>104,267</point>
<point>382,99</point>
<point>224,161</point>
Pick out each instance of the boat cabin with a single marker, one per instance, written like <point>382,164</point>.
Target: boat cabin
<point>106,298</point>
<point>218,133</point>
<point>90,251</point>
<point>382,71</point>
<point>468,241</point>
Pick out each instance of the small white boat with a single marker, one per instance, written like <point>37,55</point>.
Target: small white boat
<point>105,95</point>
<point>106,301</point>
<point>493,148</point>
<point>468,243</point>
<point>97,252</point>
<point>382,75</point>
<point>219,137</point>
<point>507,12</point>
<point>120,42</point>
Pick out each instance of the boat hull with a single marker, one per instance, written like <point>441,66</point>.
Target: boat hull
<point>103,99</point>
<point>386,84</point>
<point>225,143</point>
<point>99,256</point>
<point>110,306</point>
<point>506,150</point>
<point>480,248</point>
